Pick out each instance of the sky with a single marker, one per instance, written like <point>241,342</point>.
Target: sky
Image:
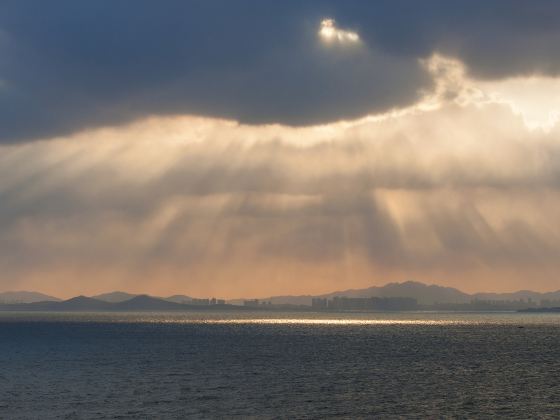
<point>242,148</point>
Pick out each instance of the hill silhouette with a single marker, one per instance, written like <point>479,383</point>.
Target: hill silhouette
<point>148,303</point>
<point>78,303</point>
<point>25,297</point>
<point>425,294</point>
<point>114,297</point>
<point>87,304</point>
<point>179,299</point>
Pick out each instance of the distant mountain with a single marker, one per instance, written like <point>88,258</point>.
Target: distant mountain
<point>87,304</point>
<point>82,303</point>
<point>521,294</point>
<point>25,297</point>
<point>121,301</point>
<point>78,303</point>
<point>114,297</point>
<point>118,296</point>
<point>423,293</point>
<point>148,303</point>
<point>179,299</point>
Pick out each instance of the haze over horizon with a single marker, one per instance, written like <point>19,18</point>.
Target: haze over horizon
<point>241,149</point>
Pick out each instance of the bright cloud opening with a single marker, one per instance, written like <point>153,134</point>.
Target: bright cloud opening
<point>330,33</point>
<point>536,99</point>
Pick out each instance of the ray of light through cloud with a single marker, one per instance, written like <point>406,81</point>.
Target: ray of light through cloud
<point>365,162</point>
<point>449,187</point>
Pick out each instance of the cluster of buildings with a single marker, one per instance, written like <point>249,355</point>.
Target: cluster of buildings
<point>365,304</point>
<point>496,305</point>
<point>255,303</point>
<point>206,302</point>
<point>344,303</point>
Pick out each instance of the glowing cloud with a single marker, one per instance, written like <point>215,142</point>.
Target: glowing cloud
<point>330,33</point>
<point>454,187</point>
<point>535,98</point>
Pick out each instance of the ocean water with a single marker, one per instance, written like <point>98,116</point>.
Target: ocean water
<point>279,365</point>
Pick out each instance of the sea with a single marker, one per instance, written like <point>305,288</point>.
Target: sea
<point>279,365</point>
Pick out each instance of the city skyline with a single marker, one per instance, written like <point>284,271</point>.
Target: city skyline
<point>423,292</point>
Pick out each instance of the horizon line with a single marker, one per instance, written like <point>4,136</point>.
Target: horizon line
<point>280,295</point>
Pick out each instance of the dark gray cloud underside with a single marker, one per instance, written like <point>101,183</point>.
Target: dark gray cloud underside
<point>67,65</point>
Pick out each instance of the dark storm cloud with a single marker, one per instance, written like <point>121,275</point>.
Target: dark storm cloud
<point>67,65</point>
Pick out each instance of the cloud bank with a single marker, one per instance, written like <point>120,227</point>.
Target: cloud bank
<point>257,148</point>
<point>457,189</point>
<point>69,66</point>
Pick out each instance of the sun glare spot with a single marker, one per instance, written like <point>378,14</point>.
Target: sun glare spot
<point>308,321</point>
<point>330,33</point>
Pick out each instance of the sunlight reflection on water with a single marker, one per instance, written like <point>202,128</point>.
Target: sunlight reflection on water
<point>258,364</point>
<point>303,321</point>
<point>289,318</point>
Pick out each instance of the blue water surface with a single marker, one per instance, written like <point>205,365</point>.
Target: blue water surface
<point>271,365</point>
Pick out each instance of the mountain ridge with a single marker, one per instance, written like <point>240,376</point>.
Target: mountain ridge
<point>23,296</point>
<point>88,304</point>
<point>426,294</point>
<point>114,297</point>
